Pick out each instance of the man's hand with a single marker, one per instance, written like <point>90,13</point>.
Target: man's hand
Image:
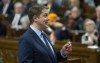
<point>66,49</point>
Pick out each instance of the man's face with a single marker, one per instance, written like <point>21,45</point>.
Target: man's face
<point>43,19</point>
<point>75,13</point>
<point>18,9</point>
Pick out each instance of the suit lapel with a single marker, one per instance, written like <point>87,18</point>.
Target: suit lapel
<point>35,36</point>
<point>51,45</point>
<point>41,43</point>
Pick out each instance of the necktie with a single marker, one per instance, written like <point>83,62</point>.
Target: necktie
<point>15,21</point>
<point>46,42</point>
<point>48,47</point>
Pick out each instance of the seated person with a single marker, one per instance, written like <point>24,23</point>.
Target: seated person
<point>6,7</point>
<point>62,34</point>
<point>53,20</point>
<point>91,35</point>
<point>97,17</point>
<point>74,21</point>
<point>53,24</point>
<point>19,20</point>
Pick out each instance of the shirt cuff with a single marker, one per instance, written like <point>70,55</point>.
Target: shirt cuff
<point>62,54</point>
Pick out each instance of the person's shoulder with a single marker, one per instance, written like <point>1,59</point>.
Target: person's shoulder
<point>25,18</point>
<point>25,36</point>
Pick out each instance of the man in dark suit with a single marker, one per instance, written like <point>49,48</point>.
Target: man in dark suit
<point>74,21</point>
<point>6,7</point>
<point>18,20</point>
<point>34,44</point>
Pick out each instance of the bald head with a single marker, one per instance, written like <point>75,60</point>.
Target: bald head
<point>18,7</point>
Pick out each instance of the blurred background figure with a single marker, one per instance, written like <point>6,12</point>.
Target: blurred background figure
<point>73,3</point>
<point>91,3</point>
<point>19,20</point>
<point>26,5</point>
<point>97,17</point>
<point>53,18</point>
<point>74,21</point>
<point>60,2</point>
<point>6,7</point>
<point>54,7</point>
<point>53,24</point>
<point>91,36</point>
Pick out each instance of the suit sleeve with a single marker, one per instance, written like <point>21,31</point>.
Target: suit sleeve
<point>25,53</point>
<point>60,57</point>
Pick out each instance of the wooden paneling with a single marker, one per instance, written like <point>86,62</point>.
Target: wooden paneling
<point>80,53</point>
<point>8,50</point>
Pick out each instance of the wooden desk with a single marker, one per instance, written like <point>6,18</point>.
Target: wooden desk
<point>81,51</point>
<point>9,51</point>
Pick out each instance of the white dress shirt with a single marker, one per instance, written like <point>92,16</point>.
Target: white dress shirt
<point>5,8</point>
<point>38,32</point>
<point>16,20</point>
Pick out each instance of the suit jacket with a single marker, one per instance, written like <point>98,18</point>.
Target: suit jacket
<point>11,17</point>
<point>77,25</point>
<point>9,10</point>
<point>33,50</point>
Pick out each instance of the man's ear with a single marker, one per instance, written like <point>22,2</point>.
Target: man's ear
<point>35,18</point>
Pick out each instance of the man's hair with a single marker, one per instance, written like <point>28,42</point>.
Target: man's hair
<point>35,10</point>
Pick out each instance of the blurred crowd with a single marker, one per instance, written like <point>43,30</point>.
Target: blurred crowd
<point>67,18</point>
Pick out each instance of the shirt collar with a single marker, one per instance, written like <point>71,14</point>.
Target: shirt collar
<point>38,32</point>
